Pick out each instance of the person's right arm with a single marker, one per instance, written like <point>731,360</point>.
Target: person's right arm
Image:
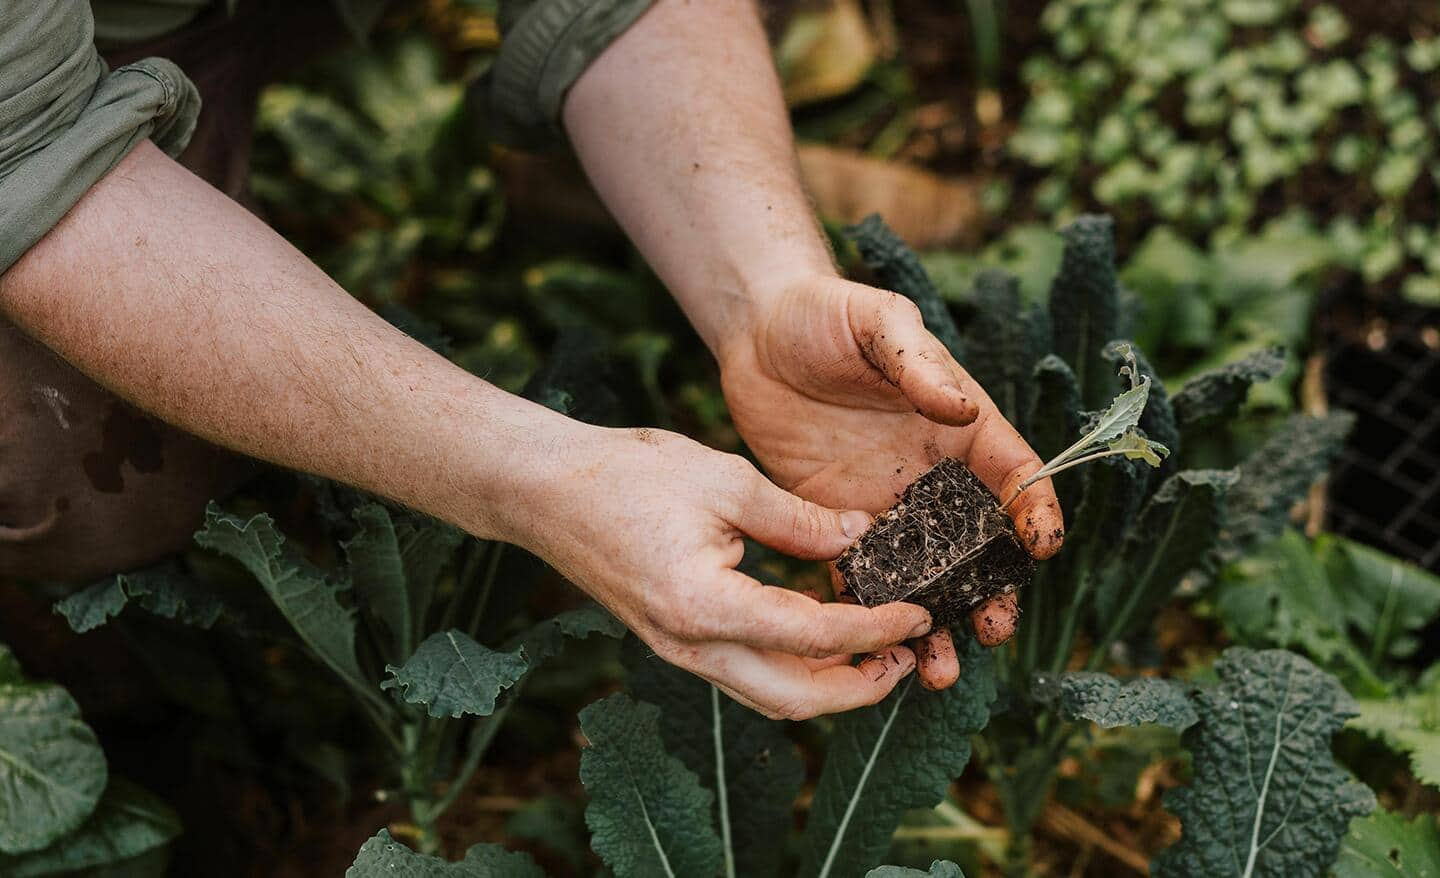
<point>177,299</point>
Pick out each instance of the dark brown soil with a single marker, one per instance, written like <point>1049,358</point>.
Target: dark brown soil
<point>945,546</point>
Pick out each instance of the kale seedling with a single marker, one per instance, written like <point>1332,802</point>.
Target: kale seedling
<point>948,544</point>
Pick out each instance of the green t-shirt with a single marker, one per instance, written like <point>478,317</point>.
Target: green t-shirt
<point>66,119</point>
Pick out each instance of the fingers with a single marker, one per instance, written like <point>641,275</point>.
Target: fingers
<point>796,527</point>
<point>894,339</point>
<point>738,609</point>
<point>994,621</point>
<point>786,687</point>
<point>937,664</point>
<point>1038,520</point>
<point>1002,459</point>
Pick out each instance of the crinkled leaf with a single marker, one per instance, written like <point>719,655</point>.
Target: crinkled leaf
<point>1276,476</point>
<point>1383,844</point>
<point>708,731</point>
<point>453,675</point>
<point>1054,419</point>
<point>938,869</point>
<point>1003,339</point>
<point>648,813</point>
<point>164,591</point>
<point>1111,703</point>
<point>1408,724</point>
<point>52,770</point>
<point>1085,305</point>
<point>546,639</point>
<point>1220,392</point>
<point>884,760</point>
<point>1055,413</point>
<point>1268,798</point>
<point>128,822</point>
<point>897,268</point>
<point>309,603</point>
<point>377,573</point>
<point>1387,599</point>
<point>384,857</point>
<point>1174,533</point>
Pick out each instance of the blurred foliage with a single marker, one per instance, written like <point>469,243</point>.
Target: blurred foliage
<point>1214,117</point>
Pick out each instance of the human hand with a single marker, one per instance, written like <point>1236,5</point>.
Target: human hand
<point>846,398</point>
<point>649,523</point>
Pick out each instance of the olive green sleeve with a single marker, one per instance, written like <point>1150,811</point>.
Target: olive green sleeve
<point>66,120</point>
<point>547,45</point>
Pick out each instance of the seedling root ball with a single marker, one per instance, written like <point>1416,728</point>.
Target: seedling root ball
<point>945,545</point>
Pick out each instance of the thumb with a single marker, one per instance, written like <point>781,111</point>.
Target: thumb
<point>798,527</point>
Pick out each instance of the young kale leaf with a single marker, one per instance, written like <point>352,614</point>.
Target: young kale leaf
<point>164,591</point>
<point>884,760</point>
<point>648,813</point>
<point>745,759</point>
<point>309,603</point>
<point>1112,433</point>
<point>453,675</point>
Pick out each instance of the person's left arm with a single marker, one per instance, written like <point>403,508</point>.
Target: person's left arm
<point>837,387</point>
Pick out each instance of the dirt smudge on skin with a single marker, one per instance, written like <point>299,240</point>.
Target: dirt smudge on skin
<point>932,452</point>
<point>126,436</point>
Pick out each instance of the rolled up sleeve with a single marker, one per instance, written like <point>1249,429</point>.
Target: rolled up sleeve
<point>547,45</point>
<point>66,120</point>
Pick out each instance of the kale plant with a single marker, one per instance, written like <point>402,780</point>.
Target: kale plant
<point>1138,535</point>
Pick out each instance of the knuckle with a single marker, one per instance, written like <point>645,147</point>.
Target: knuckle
<point>907,309</point>
<point>816,640</point>
<point>809,523</point>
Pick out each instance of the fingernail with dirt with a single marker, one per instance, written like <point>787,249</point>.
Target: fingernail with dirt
<point>921,629</point>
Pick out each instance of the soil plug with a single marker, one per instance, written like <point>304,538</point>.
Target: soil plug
<point>949,546</point>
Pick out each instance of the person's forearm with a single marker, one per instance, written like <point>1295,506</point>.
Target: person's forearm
<point>682,128</point>
<point>172,296</point>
